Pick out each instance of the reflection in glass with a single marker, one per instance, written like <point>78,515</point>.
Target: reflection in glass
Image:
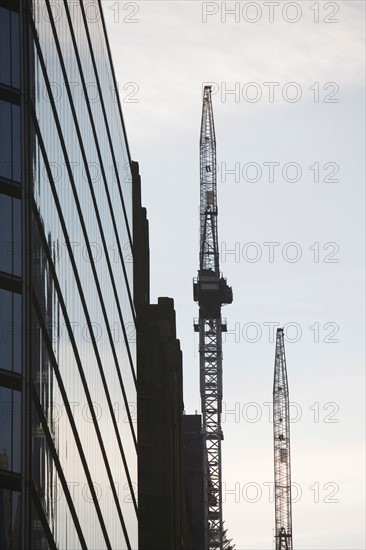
<point>10,141</point>
<point>10,331</point>
<point>82,289</point>
<point>9,48</point>
<point>10,430</point>
<point>9,519</point>
<point>10,235</point>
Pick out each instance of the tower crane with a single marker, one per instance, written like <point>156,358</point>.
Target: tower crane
<point>281,437</point>
<point>210,291</point>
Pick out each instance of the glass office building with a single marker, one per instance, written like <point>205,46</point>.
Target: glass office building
<point>68,449</point>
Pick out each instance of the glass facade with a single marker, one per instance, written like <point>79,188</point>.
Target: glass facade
<point>10,146</point>
<point>68,445</point>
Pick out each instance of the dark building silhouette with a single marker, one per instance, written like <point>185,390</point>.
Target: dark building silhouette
<point>68,430</point>
<point>170,464</point>
<point>194,449</point>
<point>162,499</point>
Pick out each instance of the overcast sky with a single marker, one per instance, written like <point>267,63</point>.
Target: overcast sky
<point>292,134</point>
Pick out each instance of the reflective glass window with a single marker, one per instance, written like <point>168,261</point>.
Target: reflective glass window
<point>15,51</point>
<point>5,142</point>
<point>39,539</point>
<point>15,142</point>
<point>9,519</point>
<point>10,141</point>
<point>10,235</point>
<point>10,331</point>
<point>9,48</point>
<point>5,46</point>
<point>10,430</point>
<point>51,493</point>
<point>83,206</point>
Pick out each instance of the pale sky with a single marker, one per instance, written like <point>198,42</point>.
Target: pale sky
<point>310,205</point>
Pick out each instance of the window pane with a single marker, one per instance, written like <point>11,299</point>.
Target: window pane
<point>10,235</point>
<point>16,450</point>
<point>9,48</point>
<point>10,430</point>
<point>15,57</point>
<point>5,140</point>
<point>10,331</point>
<point>6,330</point>
<point>5,428</point>
<point>9,519</point>
<point>15,138</point>
<point>17,238</point>
<point>39,539</point>
<point>17,332</point>
<point>9,140</point>
<point>5,234</point>
<point>5,46</point>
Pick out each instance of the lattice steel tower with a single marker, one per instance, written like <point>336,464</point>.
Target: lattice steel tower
<point>211,291</point>
<point>281,436</point>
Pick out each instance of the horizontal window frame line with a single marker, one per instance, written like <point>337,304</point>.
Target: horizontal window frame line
<point>110,405</point>
<point>64,309</point>
<point>10,481</point>
<point>71,255</point>
<point>100,226</point>
<point>85,233</point>
<point>12,283</point>
<point>10,5</point>
<point>96,141</point>
<point>66,401</point>
<point>10,94</point>
<point>70,334</point>
<point>11,380</point>
<point>78,282</point>
<point>59,469</point>
<point>11,188</point>
<point>105,117</point>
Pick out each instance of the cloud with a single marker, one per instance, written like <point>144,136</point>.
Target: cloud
<point>169,53</point>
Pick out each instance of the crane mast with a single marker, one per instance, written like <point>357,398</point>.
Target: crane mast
<point>281,436</point>
<point>211,291</point>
